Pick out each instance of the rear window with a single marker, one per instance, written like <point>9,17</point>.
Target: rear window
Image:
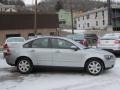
<point>15,40</point>
<point>110,37</point>
<point>91,35</point>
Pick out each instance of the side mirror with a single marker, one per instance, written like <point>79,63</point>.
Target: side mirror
<point>74,48</point>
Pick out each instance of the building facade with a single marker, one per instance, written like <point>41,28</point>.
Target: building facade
<point>97,19</point>
<point>64,19</point>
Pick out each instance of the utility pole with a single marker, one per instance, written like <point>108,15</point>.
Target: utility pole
<point>35,18</point>
<point>71,9</point>
<point>109,13</point>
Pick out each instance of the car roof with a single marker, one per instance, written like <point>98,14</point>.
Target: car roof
<point>46,37</point>
<point>81,46</point>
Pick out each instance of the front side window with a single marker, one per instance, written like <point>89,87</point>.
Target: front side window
<point>40,43</point>
<point>61,44</point>
<point>64,44</point>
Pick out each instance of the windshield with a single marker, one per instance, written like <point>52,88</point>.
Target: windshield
<point>78,44</point>
<point>76,37</point>
<point>15,40</point>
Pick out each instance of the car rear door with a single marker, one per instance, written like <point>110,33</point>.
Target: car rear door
<point>40,52</point>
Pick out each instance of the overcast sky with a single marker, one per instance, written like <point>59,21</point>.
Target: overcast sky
<point>30,1</point>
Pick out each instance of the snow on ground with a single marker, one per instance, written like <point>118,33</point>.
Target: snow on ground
<point>75,31</point>
<point>10,79</point>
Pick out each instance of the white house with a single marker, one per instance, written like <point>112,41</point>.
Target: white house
<point>7,8</point>
<point>98,19</point>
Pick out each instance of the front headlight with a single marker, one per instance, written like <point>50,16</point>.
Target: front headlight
<point>108,57</point>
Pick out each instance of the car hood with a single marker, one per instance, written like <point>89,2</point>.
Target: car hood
<point>97,51</point>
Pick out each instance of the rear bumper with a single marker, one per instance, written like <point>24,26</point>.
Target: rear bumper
<point>10,60</point>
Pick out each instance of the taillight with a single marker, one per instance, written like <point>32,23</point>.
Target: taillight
<point>85,42</point>
<point>117,42</point>
<point>5,46</point>
<point>6,50</point>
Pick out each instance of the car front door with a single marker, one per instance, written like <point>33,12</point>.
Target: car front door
<point>64,55</point>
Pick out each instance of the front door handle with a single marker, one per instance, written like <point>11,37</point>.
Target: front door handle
<point>57,51</point>
<point>32,51</point>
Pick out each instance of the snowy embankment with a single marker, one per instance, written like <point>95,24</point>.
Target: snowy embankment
<point>10,79</point>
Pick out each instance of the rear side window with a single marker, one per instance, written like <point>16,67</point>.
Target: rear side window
<point>38,43</point>
<point>15,40</point>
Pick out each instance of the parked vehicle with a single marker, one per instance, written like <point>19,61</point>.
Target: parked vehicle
<point>85,39</point>
<point>110,42</point>
<point>59,52</point>
<point>12,42</point>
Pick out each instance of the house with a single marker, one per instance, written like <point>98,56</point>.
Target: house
<point>7,8</point>
<point>64,19</point>
<point>97,19</point>
<point>22,24</point>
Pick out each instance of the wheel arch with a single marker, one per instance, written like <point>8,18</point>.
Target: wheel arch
<point>21,57</point>
<point>94,58</point>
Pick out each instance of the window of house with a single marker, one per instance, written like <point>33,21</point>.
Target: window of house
<point>88,16</point>
<point>103,22</point>
<point>79,25</point>
<point>88,25</point>
<point>96,15</point>
<point>52,33</point>
<point>83,17</point>
<point>62,22</point>
<point>103,14</point>
<point>96,23</point>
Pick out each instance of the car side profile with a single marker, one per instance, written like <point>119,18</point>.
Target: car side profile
<point>59,52</point>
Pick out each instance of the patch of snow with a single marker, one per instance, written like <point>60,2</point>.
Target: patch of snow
<point>52,80</point>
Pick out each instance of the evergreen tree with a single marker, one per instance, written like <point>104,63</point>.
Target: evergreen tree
<point>59,5</point>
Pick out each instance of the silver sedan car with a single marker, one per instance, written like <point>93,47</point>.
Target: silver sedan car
<point>110,42</point>
<point>59,52</point>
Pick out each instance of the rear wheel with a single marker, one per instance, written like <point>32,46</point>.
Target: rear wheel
<point>94,67</point>
<point>24,65</point>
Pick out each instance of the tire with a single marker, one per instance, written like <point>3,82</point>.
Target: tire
<point>94,66</point>
<point>24,66</point>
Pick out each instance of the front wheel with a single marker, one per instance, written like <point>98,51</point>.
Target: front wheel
<point>94,67</point>
<point>24,66</point>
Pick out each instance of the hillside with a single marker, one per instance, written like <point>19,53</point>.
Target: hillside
<point>48,6</point>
